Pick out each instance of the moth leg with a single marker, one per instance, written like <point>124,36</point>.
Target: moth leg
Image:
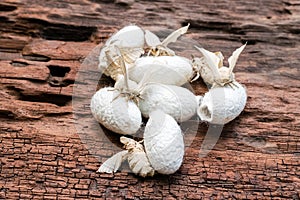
<point>115,97</point>
<point>136,101</point>
<point>114,89</point>
<point>127,103</point>
<point>157,52</point>
<point>231,85</point>
<point>195,77</point>
<point>215,84</point>
<point>141,141</point>
<point>235,85</point>
<point>111,90</point>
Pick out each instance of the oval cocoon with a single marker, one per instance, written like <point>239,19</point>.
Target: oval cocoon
<point>163,142</point>
<point>176,101</point>
<point>220,105</point>
<point>118,115</point>
<point>171,70</point>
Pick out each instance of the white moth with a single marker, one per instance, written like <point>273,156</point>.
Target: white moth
<point>171,70</point>
<point>176,101</point>
<point>158,48</point>
<point>200,68</point>
<point>164,143</point>
<point>226,99</point>
<point>130,41</point>
<point>136,156</point>
<point>212,70</point>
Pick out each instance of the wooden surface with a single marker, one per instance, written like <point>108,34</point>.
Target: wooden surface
<point>47,152</point>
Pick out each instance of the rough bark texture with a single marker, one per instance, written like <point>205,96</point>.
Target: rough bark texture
<point>42,45</point>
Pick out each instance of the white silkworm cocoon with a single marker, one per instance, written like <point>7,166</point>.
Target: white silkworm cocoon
<point>176,101</point>
<point>116,112</point>
<point>171,70</point>
<point>221,105</point>
<point>164,143</point>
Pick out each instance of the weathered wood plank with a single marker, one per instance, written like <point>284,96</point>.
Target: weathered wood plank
<point>47,152</point>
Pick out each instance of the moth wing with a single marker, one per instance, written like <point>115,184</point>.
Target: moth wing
<point>113,163</point>
<point>126,140</point>
<point>112,60</point>
<point>234,57</point>
<point>151,39</point>
<point>220,55</point>
<point>212,60</point>
<point>116,60</point>
<point>121,62</point>
<point>131,54</point>
<point>175,35</point>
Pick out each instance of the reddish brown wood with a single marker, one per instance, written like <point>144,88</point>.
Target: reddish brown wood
<point>42,45</point>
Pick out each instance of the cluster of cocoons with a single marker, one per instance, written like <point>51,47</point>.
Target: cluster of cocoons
<point>148,79</point>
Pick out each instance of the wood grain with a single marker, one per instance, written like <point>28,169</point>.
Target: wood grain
<point>49,152</point>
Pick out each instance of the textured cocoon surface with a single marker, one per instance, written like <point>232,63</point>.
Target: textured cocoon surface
<point>119,115</point>
<point>220,105</point>
<point>176,101</point>
<point>171,70</point>
<point>164,143</point>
